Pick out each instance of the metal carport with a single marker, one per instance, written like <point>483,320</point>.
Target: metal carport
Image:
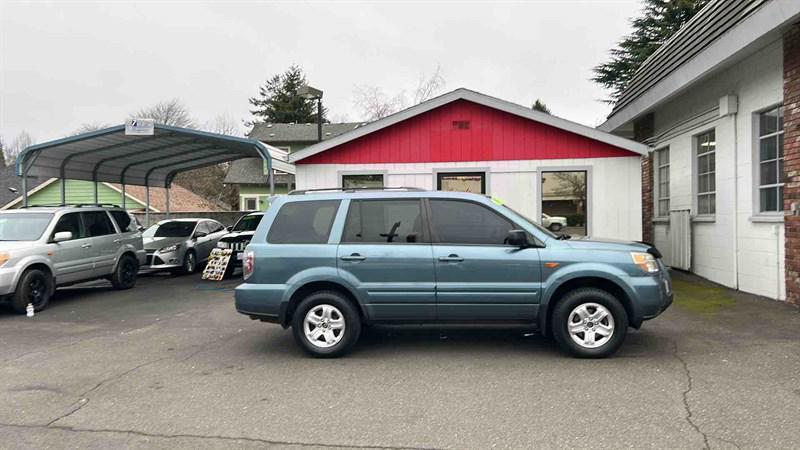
<point>112,155</point>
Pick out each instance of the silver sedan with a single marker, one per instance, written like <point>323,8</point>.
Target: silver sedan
<point>181,245</point>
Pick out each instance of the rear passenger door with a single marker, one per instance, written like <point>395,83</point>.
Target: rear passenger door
<point>478,276</point>
<point>385,251</point>
<point>104,240</point>
<point>74,259</point>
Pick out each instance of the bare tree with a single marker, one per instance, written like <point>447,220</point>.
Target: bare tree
<point>2,152</point>
<point>168,112</point>
<point>17,146</point>
<point>224,124</point>
<point>573,185</point>
<point>89,127</point>
<point>375,104</point>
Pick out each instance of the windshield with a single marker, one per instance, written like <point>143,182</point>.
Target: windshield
<point>544,230</point>
<point>248,223</point>
<point>23,226</point>
<point>170,229</point>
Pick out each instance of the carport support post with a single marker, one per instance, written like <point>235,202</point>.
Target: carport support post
<point>63,191</point>
<point>147,205</point>
<point>24,188</point>
<point>123,196</point>
<point>95,192</point>
<point>169,186</point>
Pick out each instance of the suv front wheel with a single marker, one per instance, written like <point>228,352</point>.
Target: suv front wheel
<point>326,325</point>
<point>35,287</point>
<point>124,277</point>
<point>589,323</point>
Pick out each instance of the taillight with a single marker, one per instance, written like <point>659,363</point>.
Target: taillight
<point>248,263</point>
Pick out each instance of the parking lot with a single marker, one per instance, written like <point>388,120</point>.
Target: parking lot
<point>171,364</point>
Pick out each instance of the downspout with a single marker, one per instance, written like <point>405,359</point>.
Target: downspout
<point>734,116</point>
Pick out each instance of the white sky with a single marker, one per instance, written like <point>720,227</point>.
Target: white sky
<point>66,63</point>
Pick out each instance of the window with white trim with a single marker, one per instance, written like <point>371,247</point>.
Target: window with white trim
<point>706,173</point>
<point>250,203</point>
<point>770,160</point>
<point>661,159</point>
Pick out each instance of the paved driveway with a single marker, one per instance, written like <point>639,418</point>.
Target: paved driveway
<point>169,364</point>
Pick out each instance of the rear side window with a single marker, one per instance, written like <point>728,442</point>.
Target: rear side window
<point>97,223</point>
<point>384,222</point>
<point>303,222</point>
<point>124,221</point>
<point>459,222</point>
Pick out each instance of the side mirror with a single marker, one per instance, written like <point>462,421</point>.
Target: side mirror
<point>517,238</point>
<point>229,228</point>
<point>62,236</point>
<point>141,228</point>
<point>200,234</point>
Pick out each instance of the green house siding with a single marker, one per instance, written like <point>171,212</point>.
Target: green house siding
<point>261,192</point>
<point>78,191</point>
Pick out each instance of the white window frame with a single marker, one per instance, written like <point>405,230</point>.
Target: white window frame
<point>245,198</point>
<point>658,194</point>
<point>344,173</point>
<point>696,153</point>
<point>758,162</point>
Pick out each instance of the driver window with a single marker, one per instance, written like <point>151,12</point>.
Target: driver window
<point>462,222</point>
<point>69,222</point>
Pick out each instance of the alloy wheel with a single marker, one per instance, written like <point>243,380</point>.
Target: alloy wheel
<point>324,326</point>
<point>590,325</point>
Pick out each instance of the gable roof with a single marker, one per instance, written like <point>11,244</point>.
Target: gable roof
<point>251,171</point>
<point>9,180</point>
<point>481,99</point>
<point>723,32</point>
<point>284,133</point>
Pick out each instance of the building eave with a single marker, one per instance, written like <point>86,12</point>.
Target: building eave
<point>764,26</point>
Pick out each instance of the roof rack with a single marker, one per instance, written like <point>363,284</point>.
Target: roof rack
<point>355,189</point>
<point>74,205</point>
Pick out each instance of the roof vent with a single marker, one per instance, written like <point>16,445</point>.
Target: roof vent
<point>461,124</point>
<point>308,124</point>
<point>327,133</point>
<point>269,125</point>
<point>272,135</point>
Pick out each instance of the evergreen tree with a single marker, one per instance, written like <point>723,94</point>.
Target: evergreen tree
<point>278,102</point>
<point>660,19</point>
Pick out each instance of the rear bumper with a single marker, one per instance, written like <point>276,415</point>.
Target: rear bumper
<point>261,301</point>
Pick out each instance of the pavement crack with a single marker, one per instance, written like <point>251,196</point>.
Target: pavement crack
<point>215,437</point>
<point>685,396</point>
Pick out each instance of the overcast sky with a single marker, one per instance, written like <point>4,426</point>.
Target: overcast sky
<point>63,64</point>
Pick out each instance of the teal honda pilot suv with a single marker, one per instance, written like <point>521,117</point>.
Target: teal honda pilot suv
<point>327,262</point>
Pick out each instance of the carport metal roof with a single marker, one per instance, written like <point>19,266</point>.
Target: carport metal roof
<point>111,155</point>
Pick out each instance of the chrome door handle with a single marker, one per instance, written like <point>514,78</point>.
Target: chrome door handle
<point>353,257</point>
<point>451,258</point>
<point>86,245</point>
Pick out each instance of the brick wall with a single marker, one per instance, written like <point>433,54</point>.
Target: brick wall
<point>647,199</point>
<point>791,148</point>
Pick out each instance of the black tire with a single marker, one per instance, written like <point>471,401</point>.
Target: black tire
<point>555,227</point>
<point>35,286</point>
<point>589,296</point>
<point>189,265</point>
<point>124,276</point>
<point>348,337</point>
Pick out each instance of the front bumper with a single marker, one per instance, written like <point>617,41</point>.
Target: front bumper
<point>654,294</point>
<point>155,260</point>
<point>8,280</point>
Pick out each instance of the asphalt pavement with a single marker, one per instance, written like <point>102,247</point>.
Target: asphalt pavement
<point>170,364</point>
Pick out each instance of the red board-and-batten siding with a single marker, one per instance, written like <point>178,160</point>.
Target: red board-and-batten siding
<point>492,135</point>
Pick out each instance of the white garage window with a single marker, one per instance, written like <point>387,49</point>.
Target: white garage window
<point>662,182</point>
<point>770,160</point>
<point>706,173</point>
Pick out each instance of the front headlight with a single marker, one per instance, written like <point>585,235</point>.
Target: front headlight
<point>221,244</point>
<point>4,257</point>
<point>645,261</point>
<point>170,248</point>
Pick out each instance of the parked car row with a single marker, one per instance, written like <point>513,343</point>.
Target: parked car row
<point>42,248</point>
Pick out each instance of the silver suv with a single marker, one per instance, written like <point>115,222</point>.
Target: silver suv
<point>45,247</point>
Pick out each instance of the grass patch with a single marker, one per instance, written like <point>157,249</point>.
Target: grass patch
<point>699,297</point>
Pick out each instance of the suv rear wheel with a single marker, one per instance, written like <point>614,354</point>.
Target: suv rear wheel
<point>124,277</point>
<point>326,325</point>
<point>589,323</point>
<point>35,287</point>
